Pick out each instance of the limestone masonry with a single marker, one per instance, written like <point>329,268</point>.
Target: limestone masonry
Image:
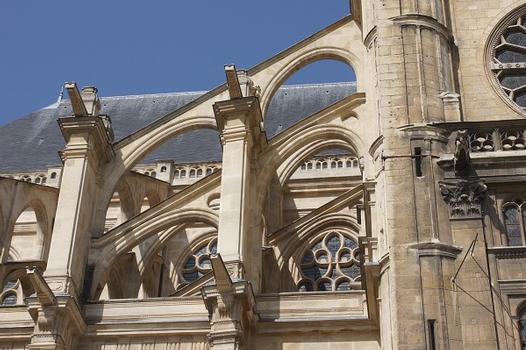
<point>386,213</point>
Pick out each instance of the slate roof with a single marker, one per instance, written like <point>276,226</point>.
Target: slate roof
<point>32,142</point>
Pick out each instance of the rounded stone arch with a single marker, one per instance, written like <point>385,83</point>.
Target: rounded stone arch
<point>164,135</point>
<point>183,247</point>
<point>292,248</point>
<point>153,198</point>
<point>283,159</point>
<point>296,62</point>
<point>121,245</point>
<point>35,208</point>
<point>285,171</point>
<point>129,153</point>
<point>191,247</point>
<point>157,245</point>
<point>127,208</point>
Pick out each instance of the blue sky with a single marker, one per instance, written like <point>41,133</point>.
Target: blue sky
<point>136,47</point>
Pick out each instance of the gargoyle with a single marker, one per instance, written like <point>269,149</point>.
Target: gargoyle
<point>461,160</point>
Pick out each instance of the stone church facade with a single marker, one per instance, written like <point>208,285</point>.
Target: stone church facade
<point>386,213</point>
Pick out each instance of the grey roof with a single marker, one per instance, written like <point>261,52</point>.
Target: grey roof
<point>32,142</point>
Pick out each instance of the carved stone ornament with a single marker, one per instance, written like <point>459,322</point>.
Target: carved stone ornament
<point>461,157</point>
<point>463,197</point>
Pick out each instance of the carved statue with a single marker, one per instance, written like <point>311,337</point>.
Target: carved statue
<point>461,160</point>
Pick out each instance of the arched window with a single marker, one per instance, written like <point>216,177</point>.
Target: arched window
<point>199,172</point>
<point>348,164</point>
<point>192,173</point>
<point>198,263</point>
<point>309,166</point>
<point>318,165</point>
<point>209,171</point>
<point>514,217</point>
<point>40,179</point>
<point>163,169</point>
<point>53,175</point>
<point>9,294</point>
<point>331,264</point>
<point>177,174</point>
<point>333,164</point>
<point>183,174</point>
<point>153,174</point>
<point>340,164</point>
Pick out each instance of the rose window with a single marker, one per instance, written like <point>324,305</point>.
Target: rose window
<point>509,60</point>
<point>331,264</point>
<point>198,263</point>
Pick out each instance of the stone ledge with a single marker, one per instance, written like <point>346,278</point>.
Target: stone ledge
<point>508,252</point>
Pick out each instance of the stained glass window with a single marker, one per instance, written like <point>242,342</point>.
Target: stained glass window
<point>198,263</point>
<point>514,214</point>
<point>509,60</point>
<point>330,264</point>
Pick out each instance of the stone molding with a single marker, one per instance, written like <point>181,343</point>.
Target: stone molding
<point>508,252</point>
<point>436,248</point>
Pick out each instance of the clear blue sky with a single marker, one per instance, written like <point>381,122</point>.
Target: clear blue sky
<point>139,46</point>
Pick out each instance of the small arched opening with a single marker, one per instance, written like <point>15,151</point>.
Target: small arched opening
<point>29,238</point>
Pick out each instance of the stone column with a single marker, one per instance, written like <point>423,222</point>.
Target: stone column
<point>88,146</point>
<point>474,313</point>
<point>239,240</point>
<point>413,51</point>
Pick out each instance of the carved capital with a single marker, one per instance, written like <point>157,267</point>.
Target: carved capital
<point>230,306</point>
<point>57,326</point>
<point>464,198</point>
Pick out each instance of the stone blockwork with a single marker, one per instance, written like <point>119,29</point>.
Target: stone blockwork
<point>392,218</point>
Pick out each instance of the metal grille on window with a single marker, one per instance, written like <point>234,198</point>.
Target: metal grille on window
<point>198,263</point>
<point>509,61</point>
<point>514,219</point>
<point>331,264</point>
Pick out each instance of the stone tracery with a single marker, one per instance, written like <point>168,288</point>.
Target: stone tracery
<point>331,264</point>
<point>509,60</point>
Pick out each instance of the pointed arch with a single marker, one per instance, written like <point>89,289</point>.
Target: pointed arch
<point>30,232</point>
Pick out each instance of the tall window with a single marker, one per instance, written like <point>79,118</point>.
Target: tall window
<point>514,218</point>
<point>331,264</point>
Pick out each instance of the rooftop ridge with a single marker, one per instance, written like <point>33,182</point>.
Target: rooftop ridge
<point>201,92</point>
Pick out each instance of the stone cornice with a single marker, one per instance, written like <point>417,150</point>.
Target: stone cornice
<point>508,252</point>
<point>436,248</point>
<point>248,110</point>
<point>97,145</point>
<point>424,21</point>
